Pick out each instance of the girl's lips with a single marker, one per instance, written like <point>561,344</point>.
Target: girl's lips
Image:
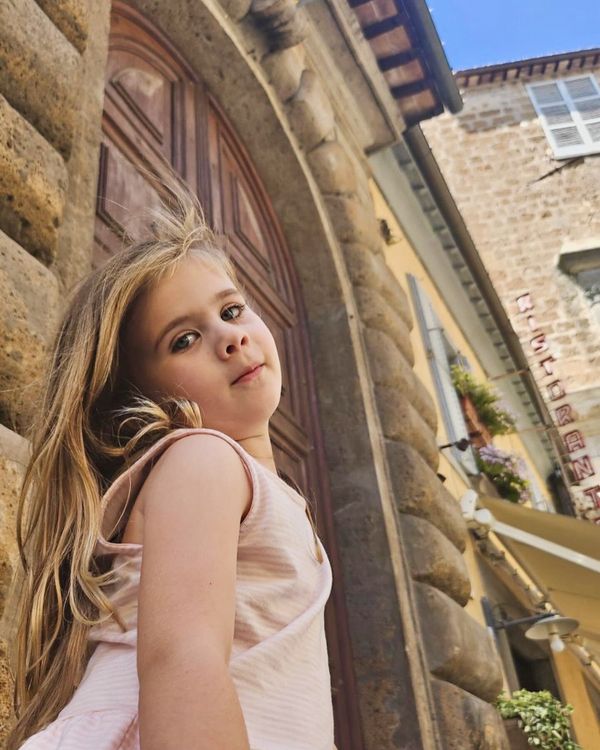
<point>247,377</point>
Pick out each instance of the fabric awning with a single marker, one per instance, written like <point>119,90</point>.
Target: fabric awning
<point>574,589</point>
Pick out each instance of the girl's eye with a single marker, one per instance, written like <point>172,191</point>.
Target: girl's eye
<point>232,312</point>
<point>183,342</point>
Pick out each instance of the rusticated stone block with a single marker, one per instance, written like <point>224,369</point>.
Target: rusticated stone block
<point>39,71</point>
<point>71,17</point>
<point>419,492</point>
<point>466,721</point>
<point>6,691</point>
<point>332,169</point>
<point>390,369</point>
<point>433,559</point>
<point>353,221</point>
<point>401,421</point>
<point>310,112</point>
<point>33,181</point>
<point>369,270</point>
<point>14,454</point>
<point>29,305</point>
<point>377,313</point>
<point>284,69</point>
<point>459,650</point>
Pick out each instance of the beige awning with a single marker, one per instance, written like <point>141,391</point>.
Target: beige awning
<point>574,589</point>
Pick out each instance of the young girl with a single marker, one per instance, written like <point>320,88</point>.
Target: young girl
<point>175,585</point>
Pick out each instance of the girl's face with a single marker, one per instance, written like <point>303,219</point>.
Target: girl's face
<point>193,336</point>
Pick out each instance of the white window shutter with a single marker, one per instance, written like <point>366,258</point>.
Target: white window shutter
<point>569,110</point>
<point>434,339</point>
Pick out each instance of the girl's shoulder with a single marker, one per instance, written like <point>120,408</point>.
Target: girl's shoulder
<point>199,452</point>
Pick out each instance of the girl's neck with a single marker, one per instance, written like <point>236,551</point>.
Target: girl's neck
<point>260,448</point>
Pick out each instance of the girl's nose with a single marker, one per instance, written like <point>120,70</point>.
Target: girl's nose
<point>231,341</point>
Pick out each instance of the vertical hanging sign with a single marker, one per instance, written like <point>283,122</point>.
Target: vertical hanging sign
<point>564,416</point>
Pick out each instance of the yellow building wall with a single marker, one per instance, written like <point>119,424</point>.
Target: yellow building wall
<point>403,260</point>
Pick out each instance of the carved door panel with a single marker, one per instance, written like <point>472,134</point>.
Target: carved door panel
<point>158,120</point>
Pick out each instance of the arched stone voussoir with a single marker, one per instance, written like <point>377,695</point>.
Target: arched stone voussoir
<point>433,559</point>
<point>369,269</point>
<point>377,313</point>
<point>333,169</point>
<point>419,492</point>
<point>310,112</point>
<point>284,70</point>
<point>283,21</point>
<point>458,648</point>
<point>401,421</point>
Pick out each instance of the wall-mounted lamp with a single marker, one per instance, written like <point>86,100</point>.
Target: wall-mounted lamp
<point>461,444</point>
<point>546,625</point>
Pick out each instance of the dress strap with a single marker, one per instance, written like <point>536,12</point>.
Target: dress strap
<point>127,486</point>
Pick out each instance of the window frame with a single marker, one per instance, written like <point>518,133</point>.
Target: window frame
<point>588,146</point>
<point>435,338</point>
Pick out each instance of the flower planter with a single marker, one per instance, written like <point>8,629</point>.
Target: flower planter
<point>517,740</point>
<point>478,432</point>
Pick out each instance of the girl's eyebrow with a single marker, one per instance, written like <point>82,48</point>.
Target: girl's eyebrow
<point>183,318</point>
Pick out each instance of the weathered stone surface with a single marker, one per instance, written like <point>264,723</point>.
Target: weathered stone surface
<point>284,69</point>
<point>377,313</point>
<point>466,721</point>
<point>39,79</point>
<point>310,112</point>
<point>369,270</point>
<point>33,180</point>
<point>332,169</point>
<point>29,306</point>
<point>401,421</point>
<point>353,220</point>
<point>6,690</point>
<point>74,251</point>
<point>419,492</point>
<point>433,559</point>
<point>284,23</point>
<point>390,369</point>
<point>71,17</point>
<point>458,648</point>
<point>14,452</point>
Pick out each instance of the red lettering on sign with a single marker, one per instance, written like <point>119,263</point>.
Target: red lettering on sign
<point>556,391</point>
<point>582,468</point>
<point>532,323</point>
<point>524,302</point>
<point>564,415</point>
<point>574,441</point>
<point>539,343</point>
<point>546,364</point>
<point>593,493</point>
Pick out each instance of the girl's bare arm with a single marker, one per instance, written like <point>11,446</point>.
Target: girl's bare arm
<point>192,504</point>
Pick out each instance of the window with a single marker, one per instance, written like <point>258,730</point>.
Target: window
<point>569,110</point>
<point>583,265</point>
<point>442,354</point>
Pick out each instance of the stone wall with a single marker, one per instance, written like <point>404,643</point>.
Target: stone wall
<point>425,671</point>
<point>52,64</point>
<point>523,207</point>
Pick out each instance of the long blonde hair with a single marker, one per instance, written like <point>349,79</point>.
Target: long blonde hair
<point>90,423</point>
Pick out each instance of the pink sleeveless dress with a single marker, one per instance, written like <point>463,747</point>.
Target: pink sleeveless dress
<point>279,659</point>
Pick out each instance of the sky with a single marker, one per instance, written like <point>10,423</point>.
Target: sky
<point>485,32</point>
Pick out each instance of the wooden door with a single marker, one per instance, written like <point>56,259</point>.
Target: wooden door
<point>158,119</point>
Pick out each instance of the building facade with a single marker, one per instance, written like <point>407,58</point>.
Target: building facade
<point>521,160</point>
<point>274,114</point>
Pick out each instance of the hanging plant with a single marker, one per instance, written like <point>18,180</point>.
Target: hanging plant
<point>497,419</point>
<point>541,717</point>
<point>506,471</point>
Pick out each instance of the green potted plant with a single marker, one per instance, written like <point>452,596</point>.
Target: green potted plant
<point>505,470</point>
<point>485,401</point>
<point>537,718</point>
